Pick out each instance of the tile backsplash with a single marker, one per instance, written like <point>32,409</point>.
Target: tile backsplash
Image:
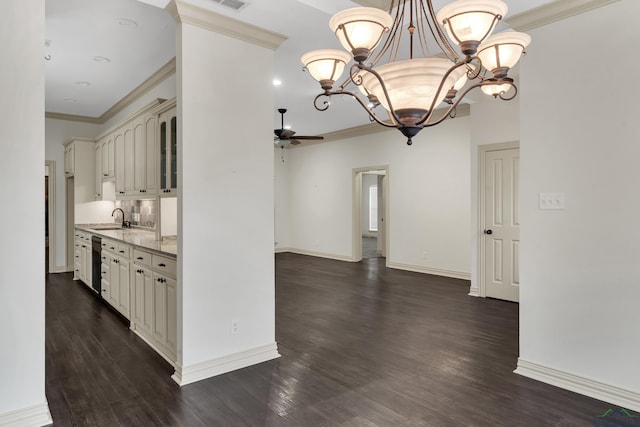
<point>142,213</point>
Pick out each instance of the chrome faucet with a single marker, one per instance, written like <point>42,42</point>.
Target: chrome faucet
<point>118,209</point>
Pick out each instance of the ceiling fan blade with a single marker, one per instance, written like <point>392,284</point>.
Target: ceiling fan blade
<point>294,142</point>
<point>310,137</point>
<point>286,134</point>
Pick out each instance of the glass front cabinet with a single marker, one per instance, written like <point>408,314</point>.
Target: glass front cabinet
<point>168,134</point>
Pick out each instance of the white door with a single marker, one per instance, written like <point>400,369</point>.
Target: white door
<point>501,224</point>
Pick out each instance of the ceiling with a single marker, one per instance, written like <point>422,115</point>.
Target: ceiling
<point>138,38</point>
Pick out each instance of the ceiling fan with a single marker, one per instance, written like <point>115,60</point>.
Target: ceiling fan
<point>284,137</point>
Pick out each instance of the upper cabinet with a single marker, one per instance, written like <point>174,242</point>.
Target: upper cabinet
<point>140,153</point>
<point>168,136</point>
<point>69,159</point>
<point>79,163</point>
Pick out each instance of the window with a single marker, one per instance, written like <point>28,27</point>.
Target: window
<point>373,208</point>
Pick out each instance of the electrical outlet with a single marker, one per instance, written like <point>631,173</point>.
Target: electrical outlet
<point>235,327</point>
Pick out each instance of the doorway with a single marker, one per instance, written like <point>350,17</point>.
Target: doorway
<point>50,215</point>
<point>499,240</point>
<point>370,212</point>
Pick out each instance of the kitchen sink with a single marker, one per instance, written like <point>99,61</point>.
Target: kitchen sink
<point>107,228</point>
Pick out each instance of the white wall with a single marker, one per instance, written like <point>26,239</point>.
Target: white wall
<point>57,132</point>
<point>581,136</point>
<point>225,208</point>
<point>493,121</point>
<point>22,289</point>
<point>428,195</point>
<point>281,199</point>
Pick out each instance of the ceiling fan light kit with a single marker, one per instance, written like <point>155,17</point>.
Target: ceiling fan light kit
<point>411,89</point>
<point>285,137</point>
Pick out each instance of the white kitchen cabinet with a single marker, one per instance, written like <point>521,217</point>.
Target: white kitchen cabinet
<point>168,146</point>
<point>154,309</point>
<point>129,159</point>
<point>118,141</point>
<point>80,159</point>
<point>116,275</point>
<point>142,304</point>
<point>151,153</point>
<point>98,170</point>
<point>108,157</point>
<point>69,159</point>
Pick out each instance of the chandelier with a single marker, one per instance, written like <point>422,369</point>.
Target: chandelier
<point>412,89</point>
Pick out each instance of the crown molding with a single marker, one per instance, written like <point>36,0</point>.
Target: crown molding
<point>462,110</point>
<point>552,12</point>
<point>159,76</point>
<point>188,13</point>
<point>73,118</point>
<point>167,70</point>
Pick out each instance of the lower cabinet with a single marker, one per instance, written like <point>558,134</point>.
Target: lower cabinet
<point>154,309</point>
<point>116,276</point>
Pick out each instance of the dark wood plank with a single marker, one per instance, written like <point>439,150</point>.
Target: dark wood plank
<point>361,345</point>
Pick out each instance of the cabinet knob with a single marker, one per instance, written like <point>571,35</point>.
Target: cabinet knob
<point>121,252</point>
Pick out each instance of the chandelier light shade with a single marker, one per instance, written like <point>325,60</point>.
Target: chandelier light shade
<point>326,65</point>
<point>503,50</point>
<point>496,90</point>
<point>471,20</point>
<point>412,84</point>
<point>411,90</point>
<point>360,29</point>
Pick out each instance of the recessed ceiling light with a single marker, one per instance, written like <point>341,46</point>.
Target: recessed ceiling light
<point>83,83</point>
<point>102,59</point>
<point>69,100</point>
<point>277,82</point>
<point>127,22</point>
<point>287,126</point>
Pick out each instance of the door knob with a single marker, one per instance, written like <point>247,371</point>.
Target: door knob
<point>489,231</point>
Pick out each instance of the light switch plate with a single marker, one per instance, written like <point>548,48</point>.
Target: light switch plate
<point>551,201</point>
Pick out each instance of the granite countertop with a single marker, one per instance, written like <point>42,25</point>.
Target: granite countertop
<point>145,239</point>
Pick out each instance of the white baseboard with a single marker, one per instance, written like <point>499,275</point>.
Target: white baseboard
<point>474,292</point>
<point>281,250</point>
<point>61,269</point>
<point>151,344</point>
<point>33,416</point>
<point>321,254</point>
<point>189,374</point>
<point>598,390</point>
<point>427,270</point>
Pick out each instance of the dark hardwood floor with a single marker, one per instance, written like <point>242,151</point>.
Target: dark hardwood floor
<point>361,345</point>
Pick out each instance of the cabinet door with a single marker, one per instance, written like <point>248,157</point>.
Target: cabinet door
<point>104,277</point>
<point>173,163</point>
<point>159,308</point>
<point>69,159</point>
<point>142,308</point>
<point>162,130</point>
<point>83,262</point>
<point>168,146</point>
<point>114,282</point>
<point>124,280</point>
<point>108,160</point>
<point>89,265</point>
<point>119,162</point>
<point>98,178</point>
<point>172,318</point>
<point>140,156</point>
<point>129,160</point>
<point>151,145</point>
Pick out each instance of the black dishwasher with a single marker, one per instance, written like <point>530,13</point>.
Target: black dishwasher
<point>96,264</point>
